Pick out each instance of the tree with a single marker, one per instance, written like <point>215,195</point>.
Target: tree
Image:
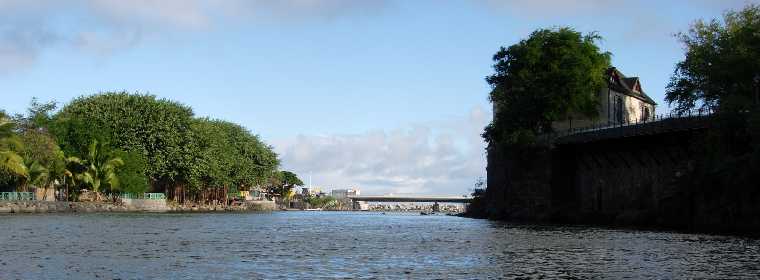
<point>178,153</point>
<point>131,175</point>
<point>283,182</point>
<point>225,154</point>
<point>322,202</point>
<point>290,179</point>
<point>722,63</point>
<point>11,163</point>
<point>159,129</point>
<point>553,75</point>
<point>73,174</point>
<point>102,168</point>
<point>211,155</point>
<point>38,116</point>
<point>42,156</point>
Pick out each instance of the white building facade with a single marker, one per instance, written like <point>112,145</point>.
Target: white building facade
<point>344,193</point>
<point>622,101</point>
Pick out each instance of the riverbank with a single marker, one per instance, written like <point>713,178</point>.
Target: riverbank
<point>15,207</point>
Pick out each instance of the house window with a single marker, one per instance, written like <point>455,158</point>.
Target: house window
<point>618,109</point>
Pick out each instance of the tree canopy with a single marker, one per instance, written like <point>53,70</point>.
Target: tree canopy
<point>226,154</point>
<point>290,179</point>
<point>552,75</point>
<point>282,183</point>
<point>11,163</point>
<point>164,141</point>
<point>132,142</point>
<point>722,63</point>
<point>156,128</point>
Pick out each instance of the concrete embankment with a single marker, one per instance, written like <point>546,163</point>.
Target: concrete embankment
<point>247,206</point>
<point>136,205</point>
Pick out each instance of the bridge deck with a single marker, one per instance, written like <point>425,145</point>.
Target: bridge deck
<point>442,199</point>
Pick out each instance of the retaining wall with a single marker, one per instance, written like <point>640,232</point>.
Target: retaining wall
<point>134,205</point>
<point>624,180</point>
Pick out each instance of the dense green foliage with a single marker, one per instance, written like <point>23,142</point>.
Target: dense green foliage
<point>131,174</point>
<point>11,163</point>
<point>40,152</point>
<point>722,63</point>
<point>721,71</point>
<point>555,74</point>
<point>283,182</point>
<point>120,142</point>
<point>156,128</point>
<point>43,158</point>
<point>102,166</point>
<point>290,179</point>
<point>478,207</point>
<point>321,201</point>
<point>226,154</point>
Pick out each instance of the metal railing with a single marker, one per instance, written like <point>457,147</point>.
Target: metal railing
<point>665,122</point>
<point>656,118</point>
<point>13,196</point>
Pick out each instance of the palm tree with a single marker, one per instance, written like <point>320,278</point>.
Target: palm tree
<point>38,176</point>
<point>101,168</point>
<point>73,173</point>
<point>10,161</point>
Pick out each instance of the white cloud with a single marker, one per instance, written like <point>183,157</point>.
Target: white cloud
<point>29,27</point>
<point>625,9</point>
<point>552,7</point>
<point>443,157</point>
<point>634,21</point>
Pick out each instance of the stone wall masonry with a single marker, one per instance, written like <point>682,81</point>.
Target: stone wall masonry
<point>58,207</point>
<point>631,180</point>
<point>16,207</point>
<point>152,205</point>
<point>519,189</point>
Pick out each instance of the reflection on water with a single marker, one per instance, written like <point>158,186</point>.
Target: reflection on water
<point>310,245</point>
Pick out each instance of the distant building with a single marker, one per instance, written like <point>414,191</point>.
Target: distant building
<point>344,193</point>
<point>253,194</point>
<point>312,191</point>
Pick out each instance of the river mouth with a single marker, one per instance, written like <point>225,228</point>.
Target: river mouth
<point>308,245</point>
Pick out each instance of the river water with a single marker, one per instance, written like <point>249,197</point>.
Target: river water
<point>312,245</point>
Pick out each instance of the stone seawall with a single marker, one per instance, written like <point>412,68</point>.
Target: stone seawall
<point>60,207</point>
<point>153,205</point>
<point>247,206</point>
<point>8,207</point>
<point>625,181</point>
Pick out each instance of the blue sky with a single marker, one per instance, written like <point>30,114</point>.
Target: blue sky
<point>388,96</point>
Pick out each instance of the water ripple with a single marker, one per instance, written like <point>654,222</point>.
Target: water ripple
<point>342,245</point>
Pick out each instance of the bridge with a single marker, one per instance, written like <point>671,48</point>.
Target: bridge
<point>412,198</point>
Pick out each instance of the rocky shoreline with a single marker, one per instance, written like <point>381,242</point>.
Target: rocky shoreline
<point>16,207</point>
